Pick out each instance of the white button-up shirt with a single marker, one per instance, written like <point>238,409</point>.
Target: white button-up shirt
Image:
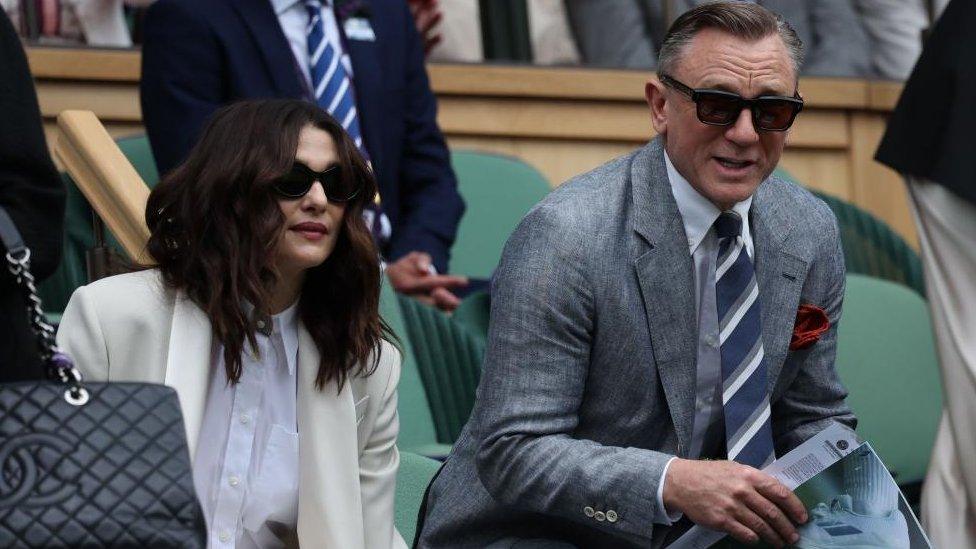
<point>246,467</point>
<point>698,214</point>
<point>293,18</point>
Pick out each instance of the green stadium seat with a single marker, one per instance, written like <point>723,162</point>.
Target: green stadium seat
<point>449,361</point>
<point>499,191</point>
<point>78,235</point>
<point>414,475</point>
<point>473,314</point>
<point>886,358</point>
<point>870,246</point>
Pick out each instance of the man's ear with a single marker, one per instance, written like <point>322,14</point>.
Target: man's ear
<point>654,93</point>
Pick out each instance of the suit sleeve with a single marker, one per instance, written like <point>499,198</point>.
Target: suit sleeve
<point>430,206</point>
<point>182,80</point>
<point>379,461</point>
<point>80,336</point>
<point>815,397</point>
<point>535,373</point>
<point>840,44</point>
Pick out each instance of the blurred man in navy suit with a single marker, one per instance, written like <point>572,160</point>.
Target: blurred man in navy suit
<point>362,61</point>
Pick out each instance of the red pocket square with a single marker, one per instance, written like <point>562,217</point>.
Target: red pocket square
<point>811,323</point>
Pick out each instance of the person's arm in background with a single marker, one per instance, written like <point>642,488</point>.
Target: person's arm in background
<point>31,192</point>
<point>613,33</point>
<point>182,80</point>
<point>840,44</point>
<point>431,207</point>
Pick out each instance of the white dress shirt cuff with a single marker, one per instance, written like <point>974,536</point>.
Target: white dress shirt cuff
<point>663,516</point>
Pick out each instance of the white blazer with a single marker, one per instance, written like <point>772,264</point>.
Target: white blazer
<point>132,328</point>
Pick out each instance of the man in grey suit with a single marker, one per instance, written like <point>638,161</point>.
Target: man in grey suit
<point>639,369</point>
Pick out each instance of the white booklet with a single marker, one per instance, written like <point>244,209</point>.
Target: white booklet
<point>850,497</point>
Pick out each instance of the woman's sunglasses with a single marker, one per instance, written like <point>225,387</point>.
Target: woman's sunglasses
<point>773,113</point>
<point>299,180</point>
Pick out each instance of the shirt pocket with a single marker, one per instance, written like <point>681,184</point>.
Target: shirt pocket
<point>273,495</point>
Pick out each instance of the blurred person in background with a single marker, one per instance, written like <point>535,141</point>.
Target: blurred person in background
<point>628,33</point>
<point>262,312</point>
<point>32,193</point>
<point>929,140</point>
<point>363,62</point>
<point>72,22</point>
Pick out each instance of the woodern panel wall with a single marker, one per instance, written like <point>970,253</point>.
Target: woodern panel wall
<point>563,121</point>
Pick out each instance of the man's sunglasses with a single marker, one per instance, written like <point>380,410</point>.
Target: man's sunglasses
<point>773,113</point>
<point>299,180</point>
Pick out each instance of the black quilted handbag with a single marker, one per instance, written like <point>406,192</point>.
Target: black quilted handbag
<point>89,465</point>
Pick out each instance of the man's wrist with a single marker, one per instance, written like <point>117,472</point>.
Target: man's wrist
<point>666,514</point>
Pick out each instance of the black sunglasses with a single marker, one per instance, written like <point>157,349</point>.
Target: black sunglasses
<point>299,180</point>
<point>773,113</point>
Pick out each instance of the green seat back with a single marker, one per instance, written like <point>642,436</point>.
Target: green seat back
<point>416,426</point>
<point>136,149</point>
<point>870,246</point>
<point>449,361</point>
<point>499,191</point>
<point>886,359</point>
<point>414,475</point>
<point>473,313</point>
<point>78,235</point>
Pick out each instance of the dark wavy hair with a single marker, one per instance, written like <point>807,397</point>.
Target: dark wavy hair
<point>215,223</point>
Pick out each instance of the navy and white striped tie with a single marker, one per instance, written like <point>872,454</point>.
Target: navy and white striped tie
<point>745,395</point>
<point>331,84</point>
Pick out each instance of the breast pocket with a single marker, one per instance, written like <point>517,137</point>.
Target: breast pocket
<point>273,494</point>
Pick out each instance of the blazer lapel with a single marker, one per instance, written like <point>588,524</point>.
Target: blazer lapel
<point>368,84</point>
<point>188,364</point>
<point>779,272</point>
<point>329,506</point>
<point>665,274</point>
<point>279,61</point>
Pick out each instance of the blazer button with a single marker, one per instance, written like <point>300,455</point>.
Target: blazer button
<point>599,516</point>
<point>588,511</point>
<point>612,516</point>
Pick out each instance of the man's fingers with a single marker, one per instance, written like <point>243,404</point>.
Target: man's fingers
<point>786,500</point>
<point>445,300</point>
<point>430,282</point>
<point>772,517</point>
<point>739,531</point>
<point>756,524</point>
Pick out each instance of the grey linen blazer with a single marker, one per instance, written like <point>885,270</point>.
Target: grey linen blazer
<point>589,377</point>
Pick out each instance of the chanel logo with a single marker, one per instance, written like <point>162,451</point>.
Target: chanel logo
<point>29,470</point>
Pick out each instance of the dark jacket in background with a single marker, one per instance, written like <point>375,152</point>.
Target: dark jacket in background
<point>930,134</point>
<point>201,54</point>
<point>32,193</point>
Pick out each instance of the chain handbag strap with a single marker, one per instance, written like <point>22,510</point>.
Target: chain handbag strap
<point>59,365</point>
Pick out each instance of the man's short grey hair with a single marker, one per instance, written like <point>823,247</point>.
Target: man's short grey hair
<point>744,20</point>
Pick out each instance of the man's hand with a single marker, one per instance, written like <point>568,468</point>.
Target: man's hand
<point>426,16</point>
<point>412,275</point>
<point>740,500</point>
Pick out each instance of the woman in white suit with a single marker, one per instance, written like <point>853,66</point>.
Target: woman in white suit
<point>262,311</point>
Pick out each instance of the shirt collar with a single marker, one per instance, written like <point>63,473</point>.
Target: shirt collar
<point>281,6</point>
<point>697,212</point>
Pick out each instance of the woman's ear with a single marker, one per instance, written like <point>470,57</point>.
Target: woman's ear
<point>656,101</point>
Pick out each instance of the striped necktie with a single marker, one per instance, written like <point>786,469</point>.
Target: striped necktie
<point>331,84</point>
<point>745,399</point>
